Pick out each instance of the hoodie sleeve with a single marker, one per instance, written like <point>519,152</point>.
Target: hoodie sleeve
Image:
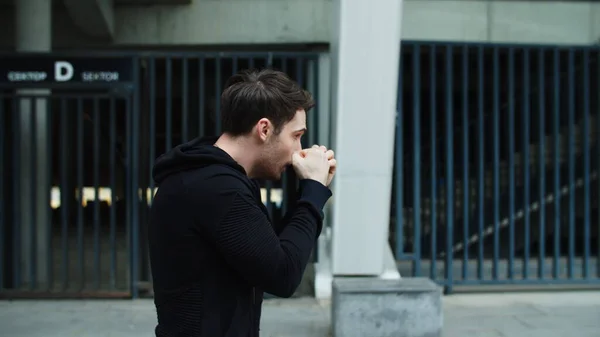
<point>248,242</point>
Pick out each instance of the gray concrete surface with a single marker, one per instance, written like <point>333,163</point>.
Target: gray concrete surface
<point>409,307</point>
<point>557,314</point>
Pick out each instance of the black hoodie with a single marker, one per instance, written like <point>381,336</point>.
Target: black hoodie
<point>213,249</point>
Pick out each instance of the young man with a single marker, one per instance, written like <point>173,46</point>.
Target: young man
<point>213,248</point>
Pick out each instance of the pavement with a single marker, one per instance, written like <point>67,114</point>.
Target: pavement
<point>552,314</point>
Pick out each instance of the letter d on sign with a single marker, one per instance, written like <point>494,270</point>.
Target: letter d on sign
<point>63,71</point>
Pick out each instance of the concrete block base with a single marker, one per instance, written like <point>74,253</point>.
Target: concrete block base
<point>374,307</point>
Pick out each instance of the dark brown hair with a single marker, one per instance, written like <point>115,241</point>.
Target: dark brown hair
<point>252,95</point>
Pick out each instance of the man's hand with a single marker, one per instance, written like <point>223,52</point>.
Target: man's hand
<point>330,159</point>
<point>311,164</point>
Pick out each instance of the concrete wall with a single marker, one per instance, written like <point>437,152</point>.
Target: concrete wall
<point>551,22</point>
<point>308,21</point>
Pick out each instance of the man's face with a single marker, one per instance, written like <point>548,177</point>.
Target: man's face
<point>278,148</point>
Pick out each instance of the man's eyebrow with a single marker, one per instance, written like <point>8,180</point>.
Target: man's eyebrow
<point>301,130</point>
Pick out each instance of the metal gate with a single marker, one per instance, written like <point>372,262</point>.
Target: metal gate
<point>497,163</point>
<point>93,126</point>
<point>59,241</point>
<point>66,134</point>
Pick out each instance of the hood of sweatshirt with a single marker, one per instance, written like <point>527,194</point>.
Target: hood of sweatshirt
<point>195,154</point>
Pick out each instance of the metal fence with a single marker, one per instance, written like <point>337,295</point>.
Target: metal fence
<point>76,159</point>
<point>497,159</point>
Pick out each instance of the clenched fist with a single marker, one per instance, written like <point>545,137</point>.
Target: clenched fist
<point>330,155</point>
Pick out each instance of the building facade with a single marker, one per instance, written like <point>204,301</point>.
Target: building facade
<point>462,151</point>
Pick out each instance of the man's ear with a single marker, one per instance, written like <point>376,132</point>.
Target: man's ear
<point>264,128</point>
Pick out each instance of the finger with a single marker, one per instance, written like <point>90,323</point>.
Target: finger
<point>296,156</point>
<point>315,146</point>
<point>332,165</point>
<point>330,154</point>
<point>322,147</point>
<point>306,152</point>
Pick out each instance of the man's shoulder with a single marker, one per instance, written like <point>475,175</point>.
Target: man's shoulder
<point>217,179</point>
<point>213,191</point>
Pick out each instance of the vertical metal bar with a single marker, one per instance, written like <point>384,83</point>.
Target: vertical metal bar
<point>586,164</point>
<point>557,150</point>
<point>184,102</point>
<point>33,186</point>
<point>113,186</point>
<point>218,91</point>
<point>300,81</point>
<point>3,181</point>
<point>449,169</point>
<point>511,163</point>
<point>571,164</point>
<point>398,165</point>
<point>597,160</point>
<point>16,157</point>
<point>496,168</point>
<point>542,164</point>
<point>128,185</point>
<point>416,65</point>
<point>201,100</point>
<point>80,169</point>
<point>201,74</point>
<point>152,118</point>
<point>96,172</point>
<point>135,230</point>
<point>49,222</point>
<point>480,162</point>
<point>433,177</point>
<point>465,162</point>
<point>65,191</point>
<point>300,71</point>
<point>234,65</point>
<point>526,168</point>
<point>168,108</point>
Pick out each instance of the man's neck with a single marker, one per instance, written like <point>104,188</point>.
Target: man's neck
<point>240,149</point>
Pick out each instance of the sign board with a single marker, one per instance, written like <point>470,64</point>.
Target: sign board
<point>50,69</point>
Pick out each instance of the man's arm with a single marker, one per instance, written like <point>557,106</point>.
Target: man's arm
<point>275,263</point>
<point>279,226</point>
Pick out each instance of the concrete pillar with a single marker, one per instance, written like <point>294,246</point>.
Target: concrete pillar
<point>365,51</point>
<point>33,19</point>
